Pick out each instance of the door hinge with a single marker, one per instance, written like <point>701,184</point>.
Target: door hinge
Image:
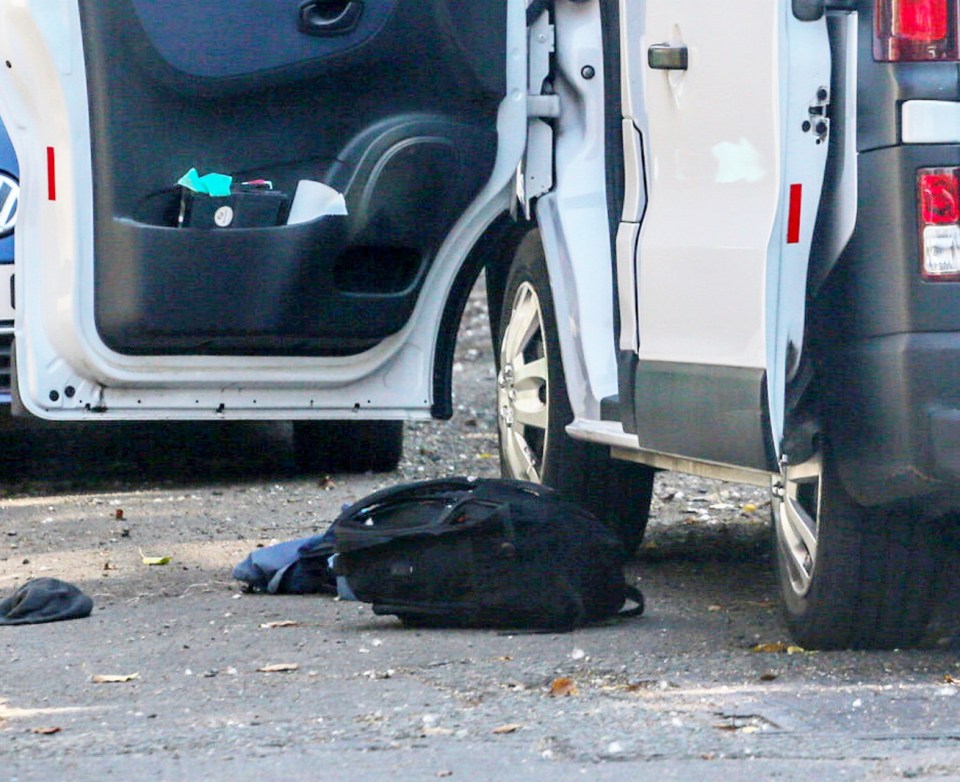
<point>535,172</point>
<point>818,118</point>
<point>543,106</point>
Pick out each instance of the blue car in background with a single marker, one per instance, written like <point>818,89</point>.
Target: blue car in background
<point>9,198</point>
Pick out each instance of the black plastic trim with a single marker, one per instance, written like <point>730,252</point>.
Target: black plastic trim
<point>876,288</point>
<point>626,382</point>
<point>610,408</point>
<point>893,415</point>
<point>613,133</point>
<point>710,413</point>
<point>493,253</point>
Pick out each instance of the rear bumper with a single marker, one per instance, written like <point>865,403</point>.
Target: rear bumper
<point>894,415</point>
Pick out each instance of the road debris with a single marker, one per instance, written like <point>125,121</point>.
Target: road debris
<point>114,678</point>
<point>563,687</point>
<point>154,560</point>
<point>279,668</point>
<point>511,727</point>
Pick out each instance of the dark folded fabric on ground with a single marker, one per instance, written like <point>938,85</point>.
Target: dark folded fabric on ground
<point>44,600</point>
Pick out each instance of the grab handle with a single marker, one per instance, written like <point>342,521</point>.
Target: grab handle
<point>329,17</point>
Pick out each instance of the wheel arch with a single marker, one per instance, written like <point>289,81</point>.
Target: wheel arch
<point>493,252</point>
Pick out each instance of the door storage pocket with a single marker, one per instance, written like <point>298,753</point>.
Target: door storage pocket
<point>163,289</point>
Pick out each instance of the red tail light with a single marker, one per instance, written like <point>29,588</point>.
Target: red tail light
<point>938,202</point>
<point>916,30</point>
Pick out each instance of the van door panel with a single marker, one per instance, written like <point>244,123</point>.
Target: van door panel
<point>399,114</point>
<point>720,283</point>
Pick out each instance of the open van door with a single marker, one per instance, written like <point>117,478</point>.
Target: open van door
<point>369,144</point>
<point>727,102</point>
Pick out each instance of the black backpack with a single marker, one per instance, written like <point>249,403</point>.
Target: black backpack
<point>459,552</point>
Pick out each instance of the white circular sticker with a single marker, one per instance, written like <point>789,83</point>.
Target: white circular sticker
<point>223,216</point>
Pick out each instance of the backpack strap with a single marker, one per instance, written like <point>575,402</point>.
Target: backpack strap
<point>408,492</point>
<point>634,594</point>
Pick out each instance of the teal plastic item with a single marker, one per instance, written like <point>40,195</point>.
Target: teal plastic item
<point>216,185</point>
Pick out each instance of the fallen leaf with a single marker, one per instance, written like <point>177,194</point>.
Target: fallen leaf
<point>283,623</point>
<point>562,687</point>
<point>769,676</point>
<point>796,650</point>
<point>950,679</point>
<point>511,727</point>
<point>434,731</point>
<point>505,658</point>
<point>154,560</point>
<point>749,508</point>
<point>114,678</point>
<point>770,648</point>
<point>48,731</point>
<point>279,668</point>
<point>118,514</point>
<point>715,608</point>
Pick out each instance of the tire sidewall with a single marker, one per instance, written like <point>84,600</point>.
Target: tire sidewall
<point>530,267</point>
<point>825,615</point>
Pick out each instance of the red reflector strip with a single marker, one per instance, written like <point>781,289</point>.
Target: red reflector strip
<point>793,222</point>
<point>51,175</point>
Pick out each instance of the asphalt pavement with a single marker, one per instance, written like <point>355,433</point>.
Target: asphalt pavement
<point>174,676</point>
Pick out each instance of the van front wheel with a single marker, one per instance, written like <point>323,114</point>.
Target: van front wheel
<point>533,409</point>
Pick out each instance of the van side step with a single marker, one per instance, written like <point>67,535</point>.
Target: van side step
<point>625,446</point>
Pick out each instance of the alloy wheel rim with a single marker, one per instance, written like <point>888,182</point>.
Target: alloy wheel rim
<point>522,400</point>
<point>797,513</point>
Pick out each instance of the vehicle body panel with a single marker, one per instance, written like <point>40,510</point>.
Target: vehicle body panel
<point>80,349</point>
<point>686,326</point>
<point>726,204</point>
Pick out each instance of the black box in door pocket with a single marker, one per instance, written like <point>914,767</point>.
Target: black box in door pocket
<point>481,553</point>
<point>245,207</point>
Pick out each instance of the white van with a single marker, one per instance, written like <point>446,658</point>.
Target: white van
<point>719,237</point>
